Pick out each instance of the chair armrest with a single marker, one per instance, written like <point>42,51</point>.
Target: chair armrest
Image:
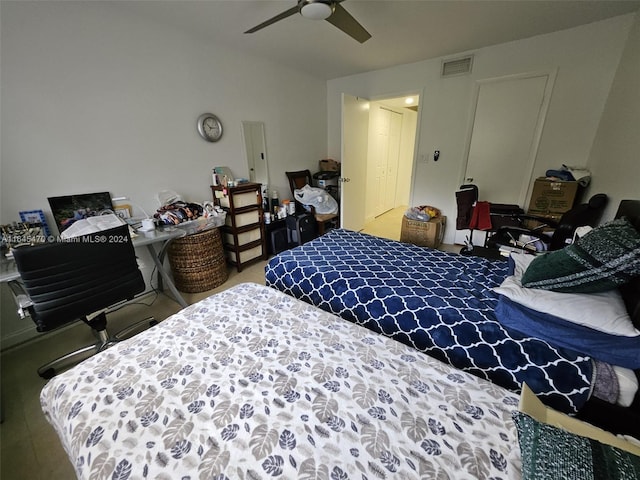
<point>22,299</point>
<point>521,230</point>
<point>546,222</point>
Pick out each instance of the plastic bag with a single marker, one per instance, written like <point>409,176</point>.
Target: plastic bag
<point>167,197</point>
<point>317,198</point>
<point>423,213</point>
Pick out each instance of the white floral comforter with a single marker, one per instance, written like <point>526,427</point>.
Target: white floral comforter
<point>253,384</point>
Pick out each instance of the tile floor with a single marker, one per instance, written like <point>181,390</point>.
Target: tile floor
<point>29,448</point>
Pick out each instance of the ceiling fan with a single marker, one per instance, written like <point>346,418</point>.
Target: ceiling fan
<point>329,10</point>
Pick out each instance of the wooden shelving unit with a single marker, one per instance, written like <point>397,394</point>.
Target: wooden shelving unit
<point>243,235</point>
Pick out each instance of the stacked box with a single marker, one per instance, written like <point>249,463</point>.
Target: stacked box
<point>424,234</point>
<point>552,198</point>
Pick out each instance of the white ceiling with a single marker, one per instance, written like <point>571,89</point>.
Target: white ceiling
<point>403,31</point>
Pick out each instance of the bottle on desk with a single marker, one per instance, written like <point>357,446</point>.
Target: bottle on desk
<point>275,202</point>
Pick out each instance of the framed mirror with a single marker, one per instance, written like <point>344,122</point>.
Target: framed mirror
<point>256,151</point>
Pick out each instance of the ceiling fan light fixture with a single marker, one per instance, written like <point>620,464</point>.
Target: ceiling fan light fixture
<point>316,10</point>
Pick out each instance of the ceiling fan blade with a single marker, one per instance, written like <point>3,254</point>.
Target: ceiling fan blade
<point>349,25</point>
<point>277,18</point>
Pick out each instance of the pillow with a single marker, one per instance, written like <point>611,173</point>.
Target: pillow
<point>518,263</point>
<point>604,311</point>
<point>628,384</point>
<point>550,453</point>
<point>603,259</point>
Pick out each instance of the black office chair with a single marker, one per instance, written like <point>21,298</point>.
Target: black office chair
<point>77,280</point>
<point>585,214</point>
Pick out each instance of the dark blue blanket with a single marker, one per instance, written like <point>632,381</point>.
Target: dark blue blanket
<point>438,302</point>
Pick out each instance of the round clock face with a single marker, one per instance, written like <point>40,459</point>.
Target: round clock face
<point>209,127</point>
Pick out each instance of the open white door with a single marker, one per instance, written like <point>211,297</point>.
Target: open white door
<point>355,138</point>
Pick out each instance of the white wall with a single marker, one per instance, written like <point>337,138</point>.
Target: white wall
<point>97,99</point>
<point>615,156</point>
<point>586,58</point>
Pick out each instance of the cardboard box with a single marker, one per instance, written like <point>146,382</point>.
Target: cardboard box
<point>329,165</point>
<point>424,234</point>
<point>532,406</point>
<point>552,197</point>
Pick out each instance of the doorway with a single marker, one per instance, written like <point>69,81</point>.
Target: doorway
<point>379,139</point>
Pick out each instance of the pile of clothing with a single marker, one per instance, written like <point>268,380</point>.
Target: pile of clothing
<point>178,212</point>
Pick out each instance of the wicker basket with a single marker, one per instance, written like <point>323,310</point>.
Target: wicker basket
<point>198,262</point>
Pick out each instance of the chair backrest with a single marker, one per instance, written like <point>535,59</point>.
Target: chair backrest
<point>581,215</point>
<point>631,210</point>
<point>71,279</point>
<point>299,179</point>
<point>466,198</point>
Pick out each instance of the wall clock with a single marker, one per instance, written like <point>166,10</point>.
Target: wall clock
<point>209,127</point>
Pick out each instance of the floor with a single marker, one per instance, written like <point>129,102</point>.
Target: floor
<point>389,224</point>
<point>29,448</point>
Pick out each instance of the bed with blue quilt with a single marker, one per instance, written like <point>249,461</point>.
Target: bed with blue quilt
<point>440,303</point>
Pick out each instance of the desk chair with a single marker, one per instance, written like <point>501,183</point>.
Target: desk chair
<point>77,280</point>
<point>324,222</point>
<point>585,214</point>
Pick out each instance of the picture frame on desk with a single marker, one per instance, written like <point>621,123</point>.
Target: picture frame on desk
<point>124,211</point>
<point>35,216</point>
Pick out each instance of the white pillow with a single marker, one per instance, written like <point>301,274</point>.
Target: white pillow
<point>603,311</point>
<point>521,261</point>
<point>628,383</point>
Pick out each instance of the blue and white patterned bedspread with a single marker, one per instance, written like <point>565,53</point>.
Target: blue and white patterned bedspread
<point>440,303</point>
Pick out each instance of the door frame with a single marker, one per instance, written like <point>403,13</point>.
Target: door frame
<point>420,92</point>
<point>551,75</point>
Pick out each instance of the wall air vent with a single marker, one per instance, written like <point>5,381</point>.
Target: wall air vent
<point>457,66</point>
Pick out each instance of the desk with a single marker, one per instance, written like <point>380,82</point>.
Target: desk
<point>160,237</point>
